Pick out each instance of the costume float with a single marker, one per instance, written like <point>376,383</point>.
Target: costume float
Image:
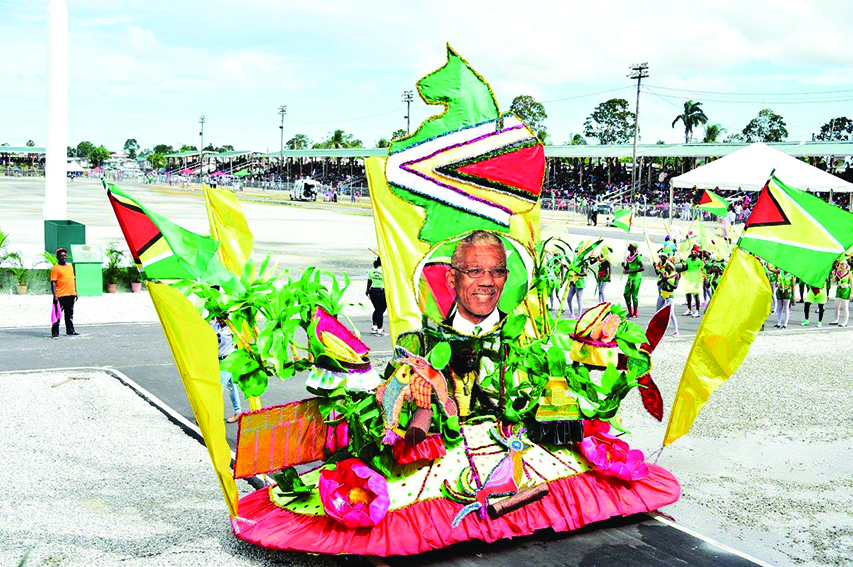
<point>459,437</point>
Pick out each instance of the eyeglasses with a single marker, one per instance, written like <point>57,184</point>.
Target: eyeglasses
<point>477,273</point>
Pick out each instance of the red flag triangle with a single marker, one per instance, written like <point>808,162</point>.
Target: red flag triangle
<point>767,211</point>
<point>520,169</point>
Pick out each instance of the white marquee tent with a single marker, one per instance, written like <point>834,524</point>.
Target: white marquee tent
<point>748,170</point>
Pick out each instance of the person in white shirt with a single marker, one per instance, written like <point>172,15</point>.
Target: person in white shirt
<point>478,273</point>
<point>226,347</point>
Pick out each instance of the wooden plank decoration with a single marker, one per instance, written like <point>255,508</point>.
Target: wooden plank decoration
<point>273,438</point>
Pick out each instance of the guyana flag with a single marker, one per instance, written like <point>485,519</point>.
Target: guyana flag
<point>622,218</point>
<point>713,203</point>
<point>797,232</point>
<point>160,248</point>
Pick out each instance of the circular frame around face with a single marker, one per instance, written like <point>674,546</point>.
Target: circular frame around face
<point>435,297</point>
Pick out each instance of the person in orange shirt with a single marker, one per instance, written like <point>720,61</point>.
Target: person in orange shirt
<point>64,289</point>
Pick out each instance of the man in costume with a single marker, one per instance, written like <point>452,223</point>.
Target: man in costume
<point>64,289</point>
<point>478,274</point>
<point>633,268</point>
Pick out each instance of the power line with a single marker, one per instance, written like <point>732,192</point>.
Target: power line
<point>347,119</point>
<point>750,94</point>
<point>760,102</point>
<point>585,95</point>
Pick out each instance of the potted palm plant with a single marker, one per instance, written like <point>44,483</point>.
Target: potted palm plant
<point>18,270</point>
<point>113,270</point>
<point>135,278</point>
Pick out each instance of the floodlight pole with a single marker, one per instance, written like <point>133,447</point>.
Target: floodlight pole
<point>281,110</point>
<point>408,97</point>
<point>56,162</point>
<point>639,71</point>
<point>201,148</point>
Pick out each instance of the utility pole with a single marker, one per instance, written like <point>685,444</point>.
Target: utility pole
<point>201,147</point>
<point>281,110</point>
<point>639,71</point>
<point>408,97</point>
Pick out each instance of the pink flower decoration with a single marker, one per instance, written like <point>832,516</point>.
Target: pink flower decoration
<point>354,494</point>
<point>337,436</point>
<point>610,455</point>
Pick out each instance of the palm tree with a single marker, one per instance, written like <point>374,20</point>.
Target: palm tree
<point>693,116</point>
<point>339,139</point>
<point>712,133</point>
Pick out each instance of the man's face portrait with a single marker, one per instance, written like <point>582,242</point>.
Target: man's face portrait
<point>478,274</point>
<point>61,257</point>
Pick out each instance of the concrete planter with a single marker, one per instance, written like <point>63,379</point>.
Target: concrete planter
<point>135,287</point>
<point>22,289</point>
<point>111,288</point>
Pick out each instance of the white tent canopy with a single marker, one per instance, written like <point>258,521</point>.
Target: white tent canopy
<point>748,170</point>
<point>73,166</point>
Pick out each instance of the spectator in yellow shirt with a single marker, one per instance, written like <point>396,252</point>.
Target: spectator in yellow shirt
<point>64,289</point>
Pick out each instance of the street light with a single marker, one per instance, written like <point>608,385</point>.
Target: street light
<point>281,110</point>
<point>408,97</point>
<point>201,147</point>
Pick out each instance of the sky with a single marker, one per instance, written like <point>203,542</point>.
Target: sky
<point>148,70</point>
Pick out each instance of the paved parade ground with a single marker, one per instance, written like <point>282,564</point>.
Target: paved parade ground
<point>765,470</point>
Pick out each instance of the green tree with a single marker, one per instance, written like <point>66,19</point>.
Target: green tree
<point>576,140</point>
<point>766,127</point>
<point>693,115</point>
<point>399,133</point>
<point>156,160</point>
<point>298,142</point>
<point>610,123</point>
<point>84,149</point>
<point>98,156</point>
<point>225,148</point>
<point>163,149</point>
<point>660,143</point>
<point>70,151</point>
<point>839,128</point>
<point>145,153</point>
<point>339,139</point>
<point>31,144</point>
<point>382,143</point>
<point>187,148</point>
<point>131,147</point>
<point>713,133</point>
<point>209,148</point>
<point>531,113</point>
<point>736,138</point>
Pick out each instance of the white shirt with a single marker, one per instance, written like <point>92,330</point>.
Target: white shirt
<point>465,327</point>
<point>223,335</point>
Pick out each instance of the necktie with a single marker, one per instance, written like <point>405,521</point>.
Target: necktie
<point>477,330</point>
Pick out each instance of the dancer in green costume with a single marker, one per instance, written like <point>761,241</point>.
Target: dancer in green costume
<point>816,295</point>
<point>602,274</point>
<point>784,294</point>
<point>843,278</point>
<point>633,268</point>
<point>693,281</point>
